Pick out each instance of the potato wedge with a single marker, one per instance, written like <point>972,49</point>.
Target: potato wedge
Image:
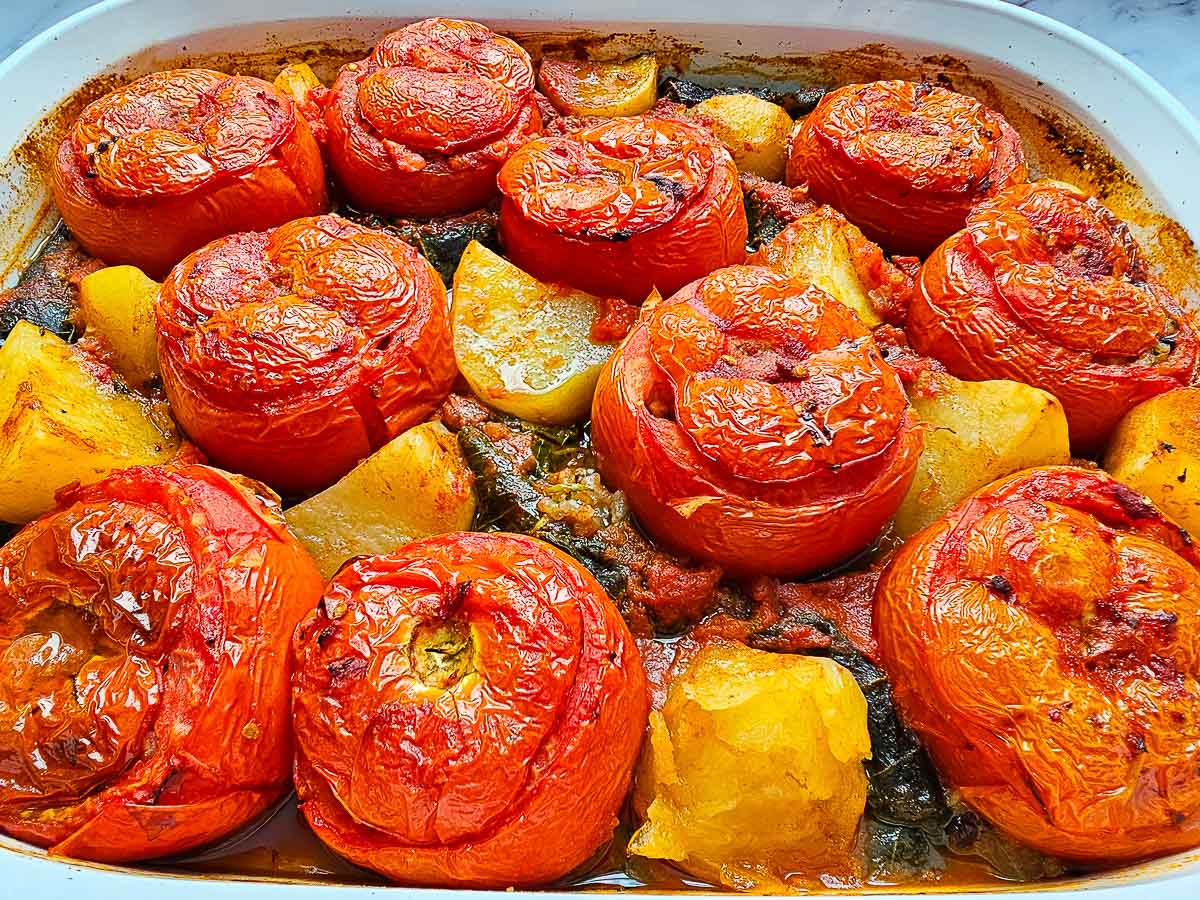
<point>1156,451</point>
<point>117,306</point>
<point>296,80</point>
<point>524,345</point>
<point>600,89</point>
<point>755,130</point>
<point>978,431</point>
<point>60,424</point>
<point>416,485</point>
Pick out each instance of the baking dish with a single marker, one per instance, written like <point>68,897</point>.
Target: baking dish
<point>1039,65</point>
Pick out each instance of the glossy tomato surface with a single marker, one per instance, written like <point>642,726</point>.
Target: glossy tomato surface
<point>748,414</point>
<point>291,354</point>
<point>905,161</point>
<point>1044,640</point>
<point>468,711</point>
<point>160,167</point>
<point>1047,287</point>
<point>144,630</point>
<point>623,207</point>
<point>421,126</point>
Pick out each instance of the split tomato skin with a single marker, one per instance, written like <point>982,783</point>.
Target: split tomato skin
<point>468,712</point>
<point>622,207</point>
<point>162,719</point>
<point>904,161</point>
<point>1046,286</point>
<point>1043,639</point>
<point>291,354</point>
<point>747,414</point>
<point>160,167</point>
<point>421,126</point>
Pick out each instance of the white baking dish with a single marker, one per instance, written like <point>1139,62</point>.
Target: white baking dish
<point>1043,63</point>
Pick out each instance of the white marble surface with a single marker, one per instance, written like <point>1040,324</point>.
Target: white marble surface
<point>1161,36</point>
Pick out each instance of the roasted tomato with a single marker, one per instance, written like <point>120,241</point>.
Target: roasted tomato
<point>747,413</point>
<point>904,161</point>
<point>144,630</point>
<point>468,711</point>
<point>164,165</point>
<point>1044,639</point>
<point>1047,287</point>
<point>622,207</point>
<point>421,126</point>
<point>291,354</point>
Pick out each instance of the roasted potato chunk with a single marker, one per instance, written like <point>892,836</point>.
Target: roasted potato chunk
<point>297,80</point>
<point>523,345</point>
<point>600,89</point>
<point>1156,451</point>
<point>753,769</point>
<point>59,424</point>
<point>978,431</point>
<point>117,306</point>
<point>415,486</point>
<point>755,131</point>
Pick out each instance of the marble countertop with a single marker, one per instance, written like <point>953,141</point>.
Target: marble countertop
<point>1161,36</point>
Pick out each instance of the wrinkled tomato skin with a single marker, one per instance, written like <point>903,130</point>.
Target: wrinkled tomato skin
<point>905,161</point>
<point>447,176</point>
<point>1044,639</point>
<point>1047,287</point>
<point>668,209</point>
<point>705,415</point>
<point>508,769</point>
<point>290,355</point>
<point>241,159</point>
<point>154,720</point>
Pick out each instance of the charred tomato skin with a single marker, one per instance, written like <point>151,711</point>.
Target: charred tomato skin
<point>160,167</point>
<point>159,722</point>
<point>747,413</point>
<point>521,736</point>
<point>623,207</point>
<point>291,354</point>
<point>421,126</point>
<point>904,161</point>
<point>1046,286</point>
<point>1043,640</point>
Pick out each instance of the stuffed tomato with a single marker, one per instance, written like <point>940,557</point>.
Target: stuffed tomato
<point>468,711</point>
<point>1044,638</point>
<point>905,161</point>
<point>1046,286</point>
<point>752,422</point>
<point>144,629</point>
<point>623,207</point>
<point>421,126</point>
<point>291,354</point>
<point>160,167</point>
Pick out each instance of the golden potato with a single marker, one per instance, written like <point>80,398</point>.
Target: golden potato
<point>753,769</point>
<point>600,89</point>
<point>755,130</point>
<point>415,486</point>
<point>1156,451</point>
<point>979,431</point>
<point>60,424</point>
<point>117,307</point>
<point>296,81</point>
<point>524,345</point>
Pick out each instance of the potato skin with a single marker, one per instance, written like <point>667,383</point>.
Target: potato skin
<point>290,355</point>
<point>1047,287</point>
<point>421,126</point>
<point>623,207</point>
<point>746,413</point>
<point>174,690</point>
<point>905,161</point>
<point>160,167</point>
<point>1044,640</point>
<point>523,736</point>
